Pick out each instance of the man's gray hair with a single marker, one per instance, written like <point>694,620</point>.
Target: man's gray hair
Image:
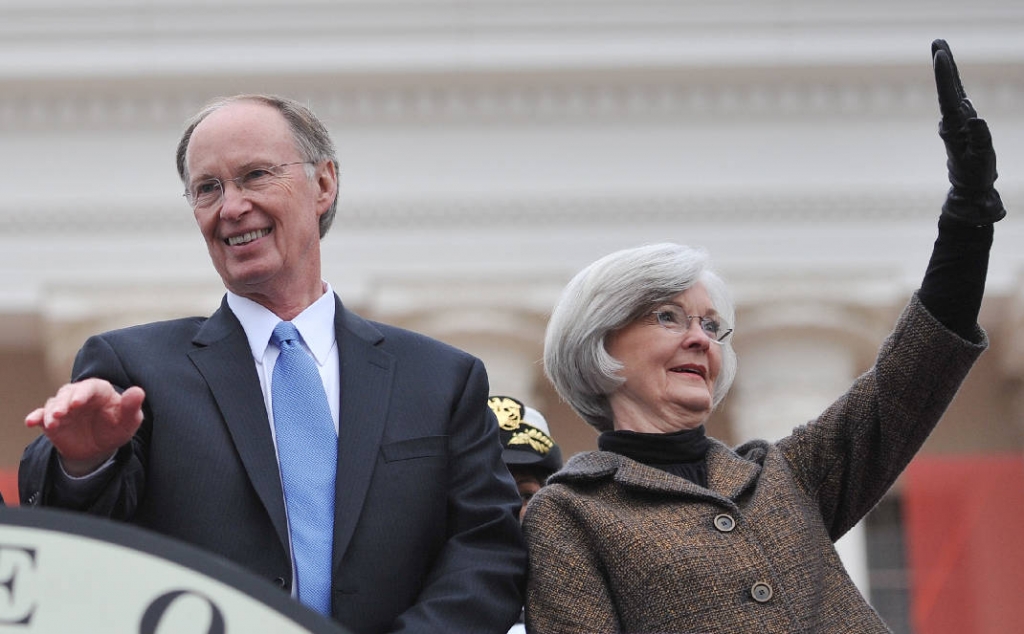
<point>311,138</point>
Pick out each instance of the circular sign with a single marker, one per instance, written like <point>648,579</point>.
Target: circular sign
<point>69,572</point>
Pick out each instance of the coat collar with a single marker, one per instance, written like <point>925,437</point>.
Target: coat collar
<point>729,473</point>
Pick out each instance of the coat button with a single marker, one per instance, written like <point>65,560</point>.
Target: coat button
<point>280,582</point>
<point>725,523</point>
<point>762,592</point>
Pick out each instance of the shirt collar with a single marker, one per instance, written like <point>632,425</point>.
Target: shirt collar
<point>315,324</point>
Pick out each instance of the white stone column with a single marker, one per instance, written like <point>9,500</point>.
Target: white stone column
<point>69,316</point>
<point>513,367</point>
<point>793,363</point>
<point>1011,349</point>
<point>502,324</point>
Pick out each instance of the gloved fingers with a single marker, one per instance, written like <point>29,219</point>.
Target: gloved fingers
<point>967,111</point>
<point>979,138</point>
<point>979,153</point>
<point>948,84</point>
<point>952,129</point>
<point>972,161</point>
<point>941,45</point>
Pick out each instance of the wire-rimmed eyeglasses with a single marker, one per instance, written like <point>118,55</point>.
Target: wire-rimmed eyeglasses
<point>674,319</point>
<point>209,192</point>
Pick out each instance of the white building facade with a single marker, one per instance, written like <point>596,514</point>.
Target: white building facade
<point>489,149</point>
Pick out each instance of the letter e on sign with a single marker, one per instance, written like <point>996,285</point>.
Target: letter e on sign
<point>17,592</point>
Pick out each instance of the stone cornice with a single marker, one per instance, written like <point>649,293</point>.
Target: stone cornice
<point>66,37</point>
<point>512,98</point>
<point>497,211</point>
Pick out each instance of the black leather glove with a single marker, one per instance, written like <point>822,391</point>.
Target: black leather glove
<point>971,161</point>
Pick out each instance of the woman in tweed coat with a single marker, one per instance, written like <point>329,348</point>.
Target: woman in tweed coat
<point>667,530</point>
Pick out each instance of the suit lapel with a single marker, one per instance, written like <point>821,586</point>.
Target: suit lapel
<point>367,373</point>
<point>224,358</point>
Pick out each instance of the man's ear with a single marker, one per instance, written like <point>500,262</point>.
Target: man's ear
<point>327,182</point>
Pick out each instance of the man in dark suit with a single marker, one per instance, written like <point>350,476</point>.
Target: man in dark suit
<point>171,426</point>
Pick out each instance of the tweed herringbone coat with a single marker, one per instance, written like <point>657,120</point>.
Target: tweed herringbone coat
<point>617,546</point>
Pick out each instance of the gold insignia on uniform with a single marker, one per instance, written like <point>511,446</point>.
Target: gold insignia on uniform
<point>533,437</point>
<point>509,412</point>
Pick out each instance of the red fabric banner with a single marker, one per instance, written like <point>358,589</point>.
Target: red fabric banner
<point>964,529</point>
<point>9,486</point>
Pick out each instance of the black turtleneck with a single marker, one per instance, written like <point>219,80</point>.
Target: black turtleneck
<point>680,453</point>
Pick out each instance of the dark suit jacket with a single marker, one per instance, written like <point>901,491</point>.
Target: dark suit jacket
<point>425,538</point>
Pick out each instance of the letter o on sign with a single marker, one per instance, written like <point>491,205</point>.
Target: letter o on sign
<point>156,610</point>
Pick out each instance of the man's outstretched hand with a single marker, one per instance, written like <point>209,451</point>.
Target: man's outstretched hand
<point>88,421</point>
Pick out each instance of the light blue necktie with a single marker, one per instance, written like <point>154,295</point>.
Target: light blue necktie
<point>307,450</point>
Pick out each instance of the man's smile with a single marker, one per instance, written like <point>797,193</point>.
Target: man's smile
<point>246,238</point>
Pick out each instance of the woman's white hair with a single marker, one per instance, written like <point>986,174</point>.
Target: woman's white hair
<point>609,294</point>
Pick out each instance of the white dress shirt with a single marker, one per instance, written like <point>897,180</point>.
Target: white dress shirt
<point>315,324</point>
